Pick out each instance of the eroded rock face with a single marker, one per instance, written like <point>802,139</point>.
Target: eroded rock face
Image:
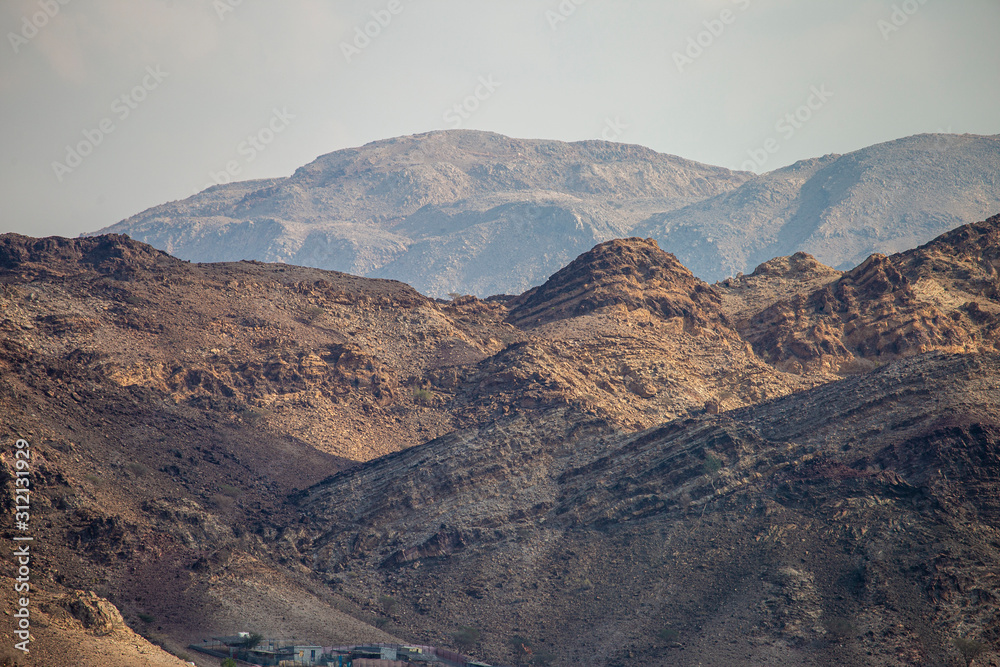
<point>626,273</point>
<point>94,613</point>
<point>941,296</point>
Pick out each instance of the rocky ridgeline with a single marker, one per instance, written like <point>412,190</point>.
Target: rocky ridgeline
<point>454,211</point>
<point>802,524</point>
<point>479,213</point>
<point>794,465</point>
<point>940,296</point>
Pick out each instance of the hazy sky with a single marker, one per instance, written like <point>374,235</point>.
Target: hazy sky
<point>113,106</point>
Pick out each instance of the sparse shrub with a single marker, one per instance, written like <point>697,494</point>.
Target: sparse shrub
<point>146,618</point>
<point>388,603</point>
<point>222,501</point>
<point>522,649</point>
<point>137,469</point>
<point>667,635</point>
<point>543,658</point>
<point>257,416</point>
<point>857,366</point>
<point>421,395</point>
<point>132,299</point>
<point>839,628</point>
<point>155,638</point>
<point>969,648</point>
<point>229,490</point>
<point>229,662</point>
<point>466,637</point>
<point>712,464</point>
<point>93,479</point>
<point>855,579</point>
<point>313,313</point>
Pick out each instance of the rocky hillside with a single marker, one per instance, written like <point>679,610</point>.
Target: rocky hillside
<point>173,408</point>
<point>942,296</point>
<point>624,463</point>
<point>478,213</point>
<point>853,524</point>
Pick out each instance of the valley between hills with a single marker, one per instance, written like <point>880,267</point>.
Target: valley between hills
<point>623,465</point>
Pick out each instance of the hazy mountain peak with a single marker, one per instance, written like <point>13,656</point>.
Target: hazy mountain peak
<point>839,208</point>
<point>477,212</point>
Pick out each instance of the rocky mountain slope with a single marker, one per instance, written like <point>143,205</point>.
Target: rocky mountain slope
<point>840,208</point>
<point>852,524</point>
<point>478,213</point>
<point>624,464</point>
<point>941,295</point>
<point>451,211</point>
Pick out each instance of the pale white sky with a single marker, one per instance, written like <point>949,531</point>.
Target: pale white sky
<point>162,94</point>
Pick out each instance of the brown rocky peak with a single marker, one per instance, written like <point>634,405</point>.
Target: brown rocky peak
<point>797,266</point>
<point>940,296</point>
<point>874,277</point>
<point>634,273</point>
<point>110,254</point>
<point>775,280</point>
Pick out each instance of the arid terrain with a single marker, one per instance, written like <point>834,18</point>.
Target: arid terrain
<point>624,465</point>
<point>470,212</point>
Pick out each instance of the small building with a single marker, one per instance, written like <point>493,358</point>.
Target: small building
<point>300,654</point>
<point>267,652</point>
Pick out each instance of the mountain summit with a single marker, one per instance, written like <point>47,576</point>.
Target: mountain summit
<point>450,211</point>
<point>470,212</point>
<point>632,273</point>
